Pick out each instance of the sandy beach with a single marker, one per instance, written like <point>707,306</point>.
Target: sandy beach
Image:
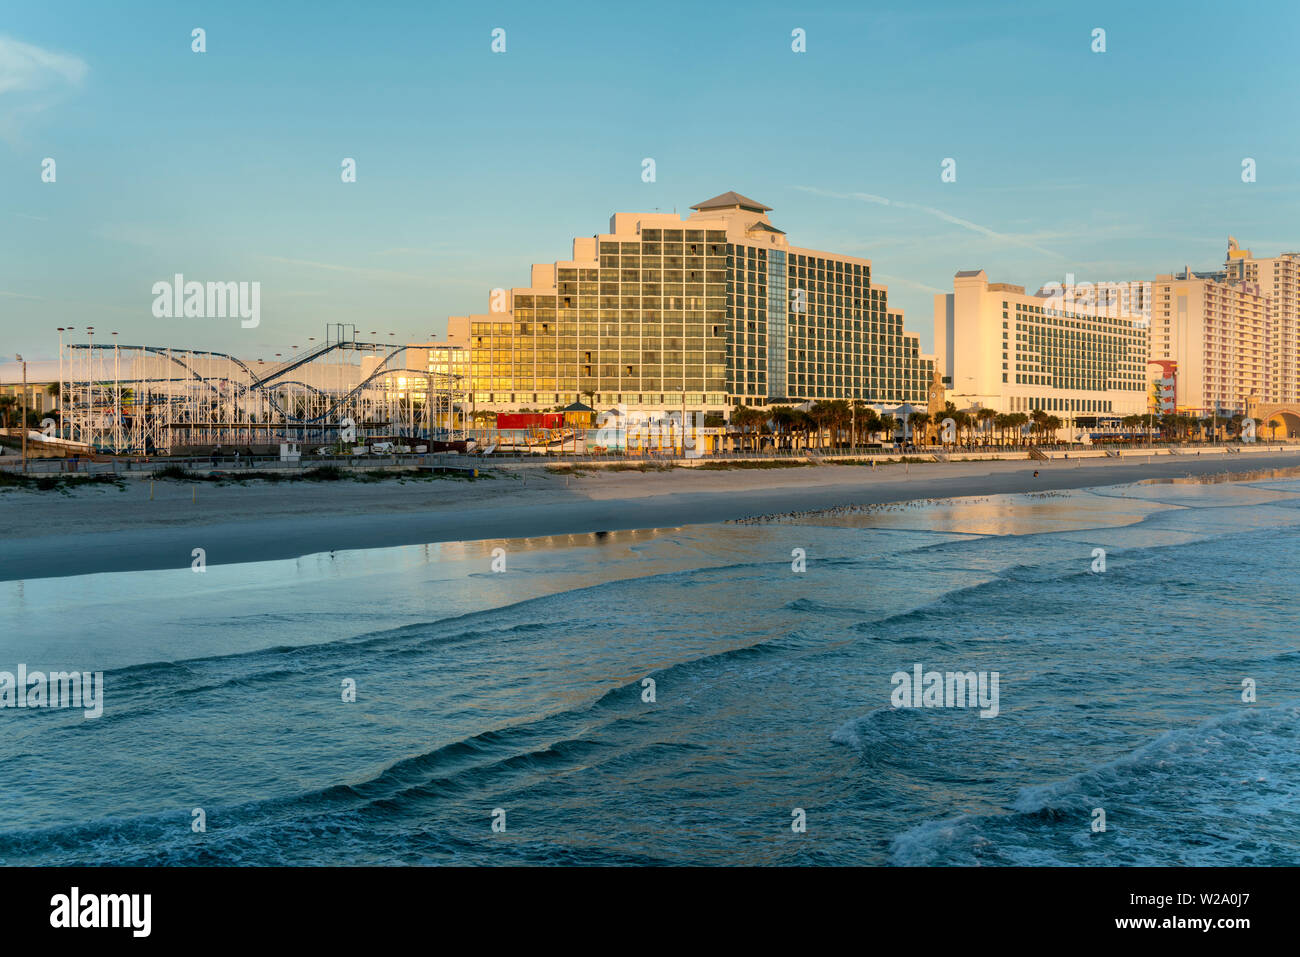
<point>105,529</point>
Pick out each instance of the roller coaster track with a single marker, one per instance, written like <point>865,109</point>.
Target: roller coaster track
<point>264,386</point>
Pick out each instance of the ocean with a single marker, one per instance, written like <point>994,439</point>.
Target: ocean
<point>504,716</point>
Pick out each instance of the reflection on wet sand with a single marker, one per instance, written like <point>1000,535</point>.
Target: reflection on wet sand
<point>1044,512</point>
<point>1027,514</point>
<point>1219,478</point>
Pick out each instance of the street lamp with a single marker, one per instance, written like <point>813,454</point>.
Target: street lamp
<point>23,421</point>
<point>62,330</point>
<point>117,399</point>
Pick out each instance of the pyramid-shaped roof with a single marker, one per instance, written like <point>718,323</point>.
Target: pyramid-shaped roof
<point>731,199</point>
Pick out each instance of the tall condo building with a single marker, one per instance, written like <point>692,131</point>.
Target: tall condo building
<point>702,314</point>
<point>1003,349</point>
<point>1278,279</point>
<point>1216,331</point>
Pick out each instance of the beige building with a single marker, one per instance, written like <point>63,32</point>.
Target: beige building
<point>1278,279</point>
<point>1002,348</point>
<point>699,314</point>
<point>42,397</point>
<point>1217,334</point>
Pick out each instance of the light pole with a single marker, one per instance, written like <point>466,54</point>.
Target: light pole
<point>23,421</point>
<point>117,401</point>
<point>62,330</point>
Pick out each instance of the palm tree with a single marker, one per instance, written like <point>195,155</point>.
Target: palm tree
<point>859,410</point>
<point>821,415</point>
<point>802,425</point>
<point>888,425</point>
<point>841,415</point>
<point>1235,423</point>
<point>745,418</point>
<point>1002,421</point>
<point>918,421</point>
<point>963,422</point>
<point>1021,420</point>
<point>870,422</point>
<point>1133,423</point>
<point>784,419</point>
<point>1039,418</point>
<point>987,419</point>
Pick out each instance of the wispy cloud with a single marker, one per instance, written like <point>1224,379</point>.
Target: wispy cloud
<point>938,213</point>
<point>18,295</point>
<point>24,67</point>
<point>909,283</point>
<point>362,271</point>
<point>32,79</point>
<point>434,250</point>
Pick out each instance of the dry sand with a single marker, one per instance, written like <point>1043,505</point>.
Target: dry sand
<point>44,534</point>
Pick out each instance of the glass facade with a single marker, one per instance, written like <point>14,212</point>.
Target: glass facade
<point>747,301</point>
<point>777,304</point>
<point>682,317</point>
<point>1061,350</point>
<point>843,341</point>
<point>647,326</point>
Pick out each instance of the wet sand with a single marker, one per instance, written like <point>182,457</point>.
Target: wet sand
<point>90,530</point>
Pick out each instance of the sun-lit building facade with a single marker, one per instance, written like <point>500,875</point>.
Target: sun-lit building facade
<point>1217,333</point>
<point>1278,280</point>
<point>699,314</point>
<point>1002,348</point>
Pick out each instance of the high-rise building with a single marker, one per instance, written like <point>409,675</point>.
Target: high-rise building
<point>1001,348</point>
<point>1216,330</point>
<point>1278,279</point>
<point>697,314</point>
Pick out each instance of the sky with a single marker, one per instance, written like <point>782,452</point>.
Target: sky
<point>471,165</point>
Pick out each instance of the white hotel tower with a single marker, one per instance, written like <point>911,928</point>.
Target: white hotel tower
<point>1001,348</point>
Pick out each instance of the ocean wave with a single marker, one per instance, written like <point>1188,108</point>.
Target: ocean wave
<point>1208,775</point>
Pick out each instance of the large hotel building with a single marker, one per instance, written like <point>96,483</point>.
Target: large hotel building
<point>1278,280</point>
<point>1001,348</point>
<point>1230,336</point>
<point>698,314</point>
<point>1212,336</point>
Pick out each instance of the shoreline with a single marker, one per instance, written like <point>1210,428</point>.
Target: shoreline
<point>89,531</point>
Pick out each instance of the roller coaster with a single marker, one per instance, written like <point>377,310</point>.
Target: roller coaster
<point>136,399</point>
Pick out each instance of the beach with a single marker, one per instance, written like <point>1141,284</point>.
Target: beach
<point>106,528</point>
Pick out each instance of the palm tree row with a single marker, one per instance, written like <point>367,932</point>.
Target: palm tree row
<point>1183,427</point>
<point>840,424</point>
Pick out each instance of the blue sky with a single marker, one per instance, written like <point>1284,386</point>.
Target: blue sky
<point>472,165</point>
